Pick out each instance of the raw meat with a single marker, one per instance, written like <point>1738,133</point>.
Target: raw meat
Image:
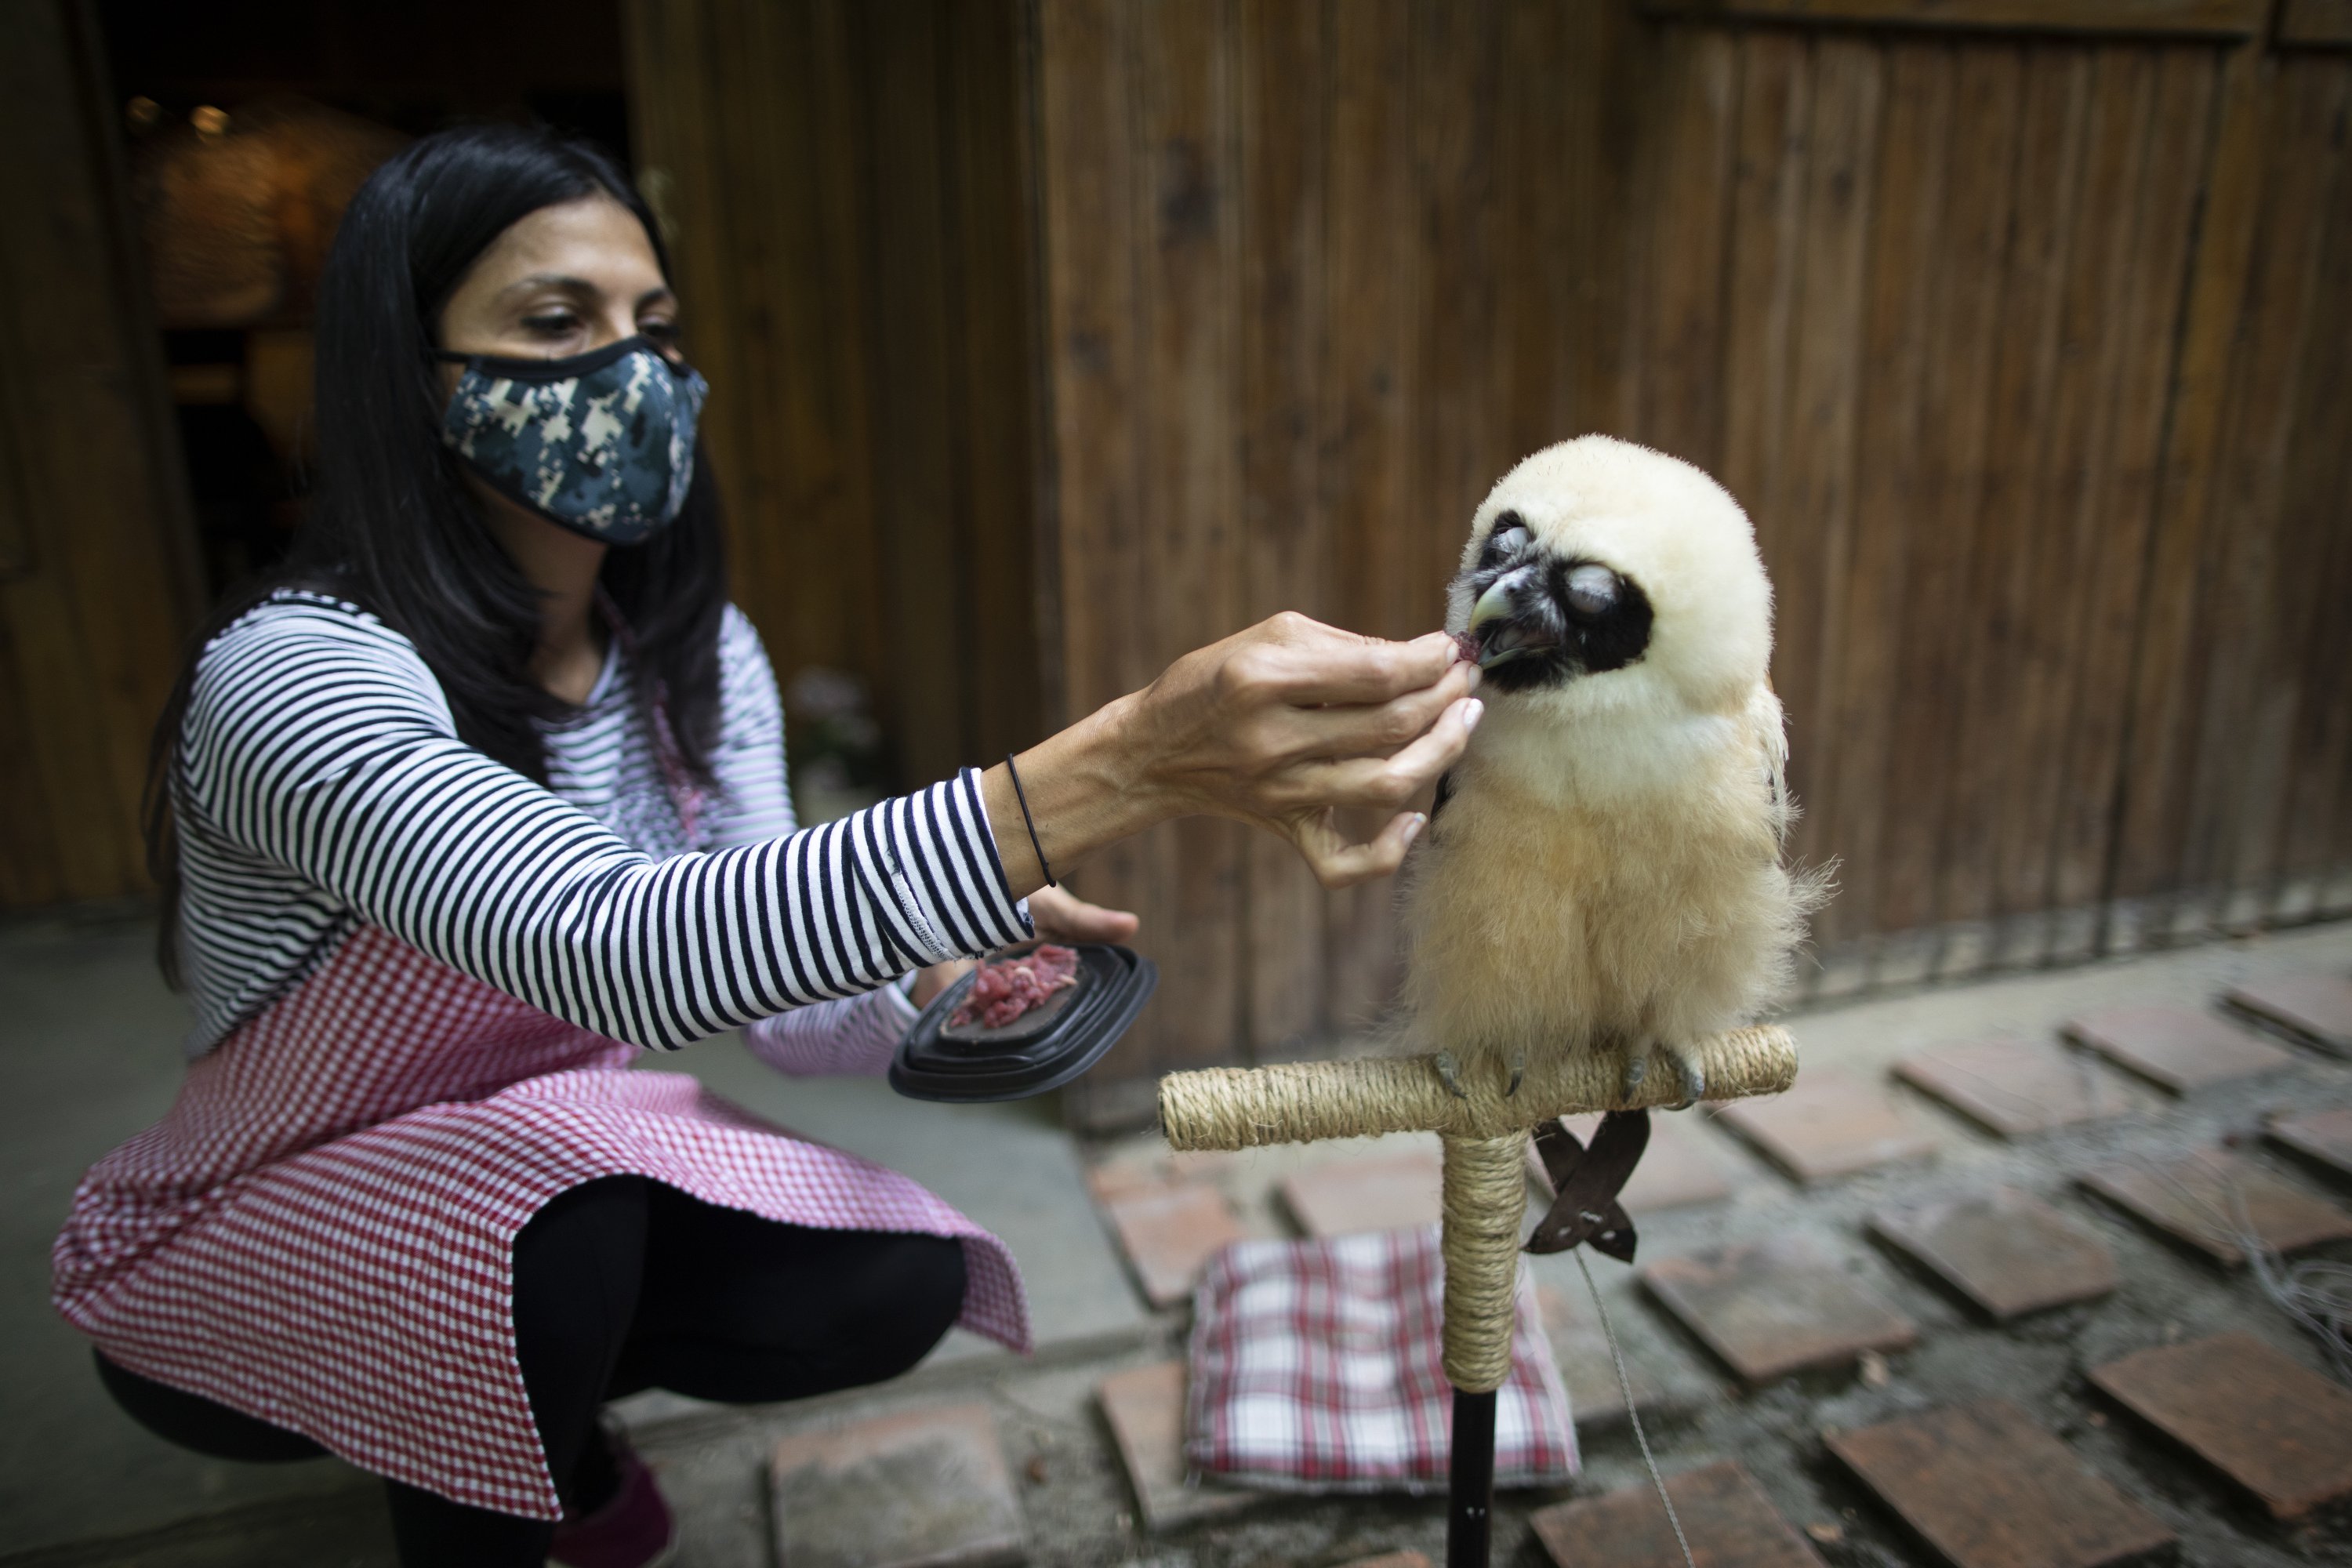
<point>1006,989</point>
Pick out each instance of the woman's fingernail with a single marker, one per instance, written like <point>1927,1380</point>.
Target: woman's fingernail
<point>1412,830</point>
<point>1477,676</point>
<point>1472,712</point>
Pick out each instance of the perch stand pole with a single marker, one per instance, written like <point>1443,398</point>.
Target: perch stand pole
<point>1486,1139</point>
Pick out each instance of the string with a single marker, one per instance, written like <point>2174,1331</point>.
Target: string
<point>1022,796</point>
<point>1625,1386</point>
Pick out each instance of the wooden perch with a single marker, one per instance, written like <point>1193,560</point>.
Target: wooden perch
<point>1305,1102</point>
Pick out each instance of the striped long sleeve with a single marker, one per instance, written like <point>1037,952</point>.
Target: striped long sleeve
<point>322,783</point>
<point>858,1035</point>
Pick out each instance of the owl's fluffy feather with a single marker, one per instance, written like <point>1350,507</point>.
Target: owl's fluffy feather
<point>1606,873</point>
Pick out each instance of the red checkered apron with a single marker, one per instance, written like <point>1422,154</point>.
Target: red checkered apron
<point>320,1233</point>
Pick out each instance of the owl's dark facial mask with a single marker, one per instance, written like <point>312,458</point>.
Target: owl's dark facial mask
<point>1538,620</point>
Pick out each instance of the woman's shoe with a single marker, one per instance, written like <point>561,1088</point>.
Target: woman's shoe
<point>632,1530</point>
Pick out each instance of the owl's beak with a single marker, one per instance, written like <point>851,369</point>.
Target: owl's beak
<point>1500,622</point>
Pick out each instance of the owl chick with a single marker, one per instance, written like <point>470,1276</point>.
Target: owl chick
<point>1603,872</point>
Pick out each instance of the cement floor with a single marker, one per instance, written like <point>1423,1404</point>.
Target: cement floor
<point>93,1034</point>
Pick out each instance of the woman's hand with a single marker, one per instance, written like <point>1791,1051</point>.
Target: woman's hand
<point>1280,725</point>
<point>937,977</point>
<point>1059,917</point>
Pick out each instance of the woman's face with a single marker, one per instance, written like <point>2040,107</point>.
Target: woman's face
<point>563,280</point>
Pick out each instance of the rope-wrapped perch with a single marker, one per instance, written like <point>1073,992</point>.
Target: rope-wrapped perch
<point>1305,1102</point>
<point>1485,1200</point>
<point>1485,1140</point>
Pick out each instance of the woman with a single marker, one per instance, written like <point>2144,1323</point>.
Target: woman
<point>485,791</point>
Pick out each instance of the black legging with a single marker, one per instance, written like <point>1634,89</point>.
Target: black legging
<point>623,1284</point>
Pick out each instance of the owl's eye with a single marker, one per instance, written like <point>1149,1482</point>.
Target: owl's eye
<point>1510,537</point>
<point>1592,590</point>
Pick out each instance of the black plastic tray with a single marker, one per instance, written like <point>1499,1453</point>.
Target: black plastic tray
<point>1032,1055</point>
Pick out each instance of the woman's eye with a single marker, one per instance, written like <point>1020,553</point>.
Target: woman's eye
<point>554,324</point>
<point>659,331</point>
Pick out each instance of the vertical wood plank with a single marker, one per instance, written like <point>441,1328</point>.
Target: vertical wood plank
<point>1536,235</point>
<point>2044,633</point>
<point>1941,632</point>
<point>920,524</point>
<point>1456,75</point>
<point>2316,848</point>
<point>1187,216</point>
<point>1089,163</point>
<point>2137,309</point>
<point>1605,97</point>
<point>1681,408</point>
<point>1825,399</point>
<point>2166,678</point>
<point>2004,580</point>
<point>1761,297</point>
<point>1287,545</point>
<point>997,381</point>
<point>2251,694</point>
<point>1902,287</point>
<point>1366,473</point>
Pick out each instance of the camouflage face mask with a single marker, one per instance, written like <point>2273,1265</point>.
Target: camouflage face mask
<point>601,443</point>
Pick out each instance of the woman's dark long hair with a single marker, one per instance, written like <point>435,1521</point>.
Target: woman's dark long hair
<point>391,525</point>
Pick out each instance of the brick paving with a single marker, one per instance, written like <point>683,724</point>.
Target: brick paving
<point>1595,1399</point>
<point>1986,1487</point>
<point>1387,1191</point>
<point>2322,1137</point>
<point>1726,1517</point>
<point>2015,1088</point>
<point>1683,1164</point>
<point>2314,1007</point>
<point>2271,1425</point>
<point>2206,1198</point>
<point>2006,1251</point>
<point>1145,1409</point>
<point>1832,1124</point>
<point>1169,1231</point>
<point>929,1489</point>
<point>1769,1308</point>
<point>2180,1049</point>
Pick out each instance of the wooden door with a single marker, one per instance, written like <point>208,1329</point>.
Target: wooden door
<point>97,577</point>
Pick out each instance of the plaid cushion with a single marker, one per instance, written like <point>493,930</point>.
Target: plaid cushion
<point>1316,1366</point>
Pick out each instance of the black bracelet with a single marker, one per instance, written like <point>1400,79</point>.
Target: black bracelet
<point>1021,796</point>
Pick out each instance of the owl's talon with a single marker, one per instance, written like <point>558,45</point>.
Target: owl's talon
<point>1694,1085</point>
<point>1450,1071</point>
<point>1637,1067</point>
<point>1518,1071</point>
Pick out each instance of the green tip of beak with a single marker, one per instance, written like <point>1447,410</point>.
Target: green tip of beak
<point>1493,605</point>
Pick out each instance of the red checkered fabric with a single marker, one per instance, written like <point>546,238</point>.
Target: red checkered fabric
<point>1318,1366</point>
<point>320,1233</point>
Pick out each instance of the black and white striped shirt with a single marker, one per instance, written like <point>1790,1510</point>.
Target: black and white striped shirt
<point>322,783</point>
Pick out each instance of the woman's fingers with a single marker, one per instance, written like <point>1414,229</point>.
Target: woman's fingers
<point>1377,730</point>
<point>1390,781</point>
<point>1339,863</point>
<point>1307,663</point>
<point>1063,917</point>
